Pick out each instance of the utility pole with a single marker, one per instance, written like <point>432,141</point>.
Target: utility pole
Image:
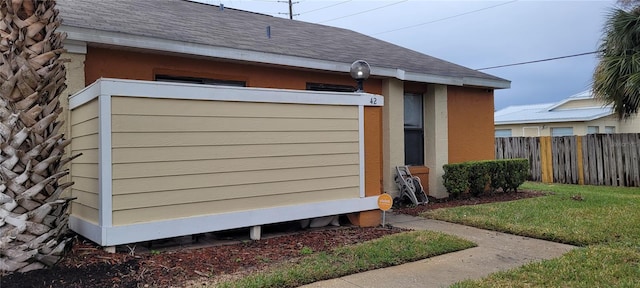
<point>290,8</point>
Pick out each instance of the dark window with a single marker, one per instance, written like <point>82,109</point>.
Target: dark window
<point>330,87</point>
<point>196,80</point>
<point>413,129</point>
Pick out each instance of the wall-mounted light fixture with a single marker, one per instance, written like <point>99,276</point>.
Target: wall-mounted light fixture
<point>360,70</point>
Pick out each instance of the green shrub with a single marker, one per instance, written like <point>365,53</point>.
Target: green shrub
<point>475,176</point>
<point>516,171</point>
<point>456,178</point>
<point>498,179</point>
<point>478,176</point>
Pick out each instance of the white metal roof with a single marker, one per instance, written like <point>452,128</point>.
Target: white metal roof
<point>548,112</point>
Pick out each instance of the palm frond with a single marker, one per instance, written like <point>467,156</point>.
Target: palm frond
<point>616,79</point>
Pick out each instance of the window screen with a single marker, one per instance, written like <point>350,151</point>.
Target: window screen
<point>503,133</point>
<point>413,129</point>
<point>610,129</point>
<point>196,80</point>
<point>562,131</point>
<point>330,87</point>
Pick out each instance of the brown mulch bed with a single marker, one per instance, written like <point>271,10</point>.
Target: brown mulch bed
<point>89,266</point>
<point>467,199</point>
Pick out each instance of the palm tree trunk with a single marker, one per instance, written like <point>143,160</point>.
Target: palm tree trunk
<point>33,217</point>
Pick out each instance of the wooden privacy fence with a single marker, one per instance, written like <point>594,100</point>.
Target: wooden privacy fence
<point>595,159</point>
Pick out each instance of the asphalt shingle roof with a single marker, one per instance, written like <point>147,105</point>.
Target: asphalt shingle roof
<point>192,22</point>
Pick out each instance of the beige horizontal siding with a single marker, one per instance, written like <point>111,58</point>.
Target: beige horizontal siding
<point>176,168</point>
<point>89,127</point>
<point>158,154</point>
<point>195,108</point>
<point>150,184</point>
<point>177,139</point>
<point>135,123</point>
<point>145,214</point>
<point>85,142</point>
<point>85,112</point>
<point>172,197</point>
<point>89,156</point>
<point>85,212</point>
<point>84,169</point>
<point>86,198</point>
<point>181,158</point>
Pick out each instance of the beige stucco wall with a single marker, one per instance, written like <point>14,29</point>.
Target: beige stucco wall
<point>75,80</point>
<point>180,158</point>
<point>542,129</point>
<point>393,131</point>
<point>74,67</point>
<point>435,134</point>
<point>436,137</point>
<point>580,103</point>
<point>84,130</point>
<point>631,125</point>
<point>526,130</point>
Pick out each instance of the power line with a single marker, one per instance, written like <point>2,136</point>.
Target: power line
<point>325,7</point>
<point>445,18</point>
<point>354,14</point>
<point>290,2</point>
<point>537,61</point>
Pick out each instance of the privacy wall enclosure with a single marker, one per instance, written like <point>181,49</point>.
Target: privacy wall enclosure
<point>166,159</point>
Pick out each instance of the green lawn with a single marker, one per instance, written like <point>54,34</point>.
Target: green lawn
<point>604,220</point>
<point>578,215</point>
<point>386,251</point>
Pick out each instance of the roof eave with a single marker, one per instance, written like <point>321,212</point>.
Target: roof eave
<point>555,120</point>
<point>78,35</point>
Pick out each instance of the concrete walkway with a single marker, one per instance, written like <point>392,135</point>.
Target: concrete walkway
<point>495,252</point>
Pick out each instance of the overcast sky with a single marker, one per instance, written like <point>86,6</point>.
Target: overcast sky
<point>475,34</point>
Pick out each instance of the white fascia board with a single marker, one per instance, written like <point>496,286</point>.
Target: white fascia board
<point>435,79</point>
<point>124,234</point>
<point>497,84</point>
<point>553,120</point>
<point>144,42</point>
<point>75,47</point>
<point>171,90</point>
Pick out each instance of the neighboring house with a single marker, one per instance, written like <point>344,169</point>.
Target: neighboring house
<point>579,114</point>
<point>435,112</point>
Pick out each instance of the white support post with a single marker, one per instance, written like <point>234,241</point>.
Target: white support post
<point>255,232</point>
<point>110,249</point>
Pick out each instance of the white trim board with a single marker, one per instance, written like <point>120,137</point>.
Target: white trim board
<point>170,90</point>
<point>361,150</point>
<point>105,180</point>
<point>117,235</point>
